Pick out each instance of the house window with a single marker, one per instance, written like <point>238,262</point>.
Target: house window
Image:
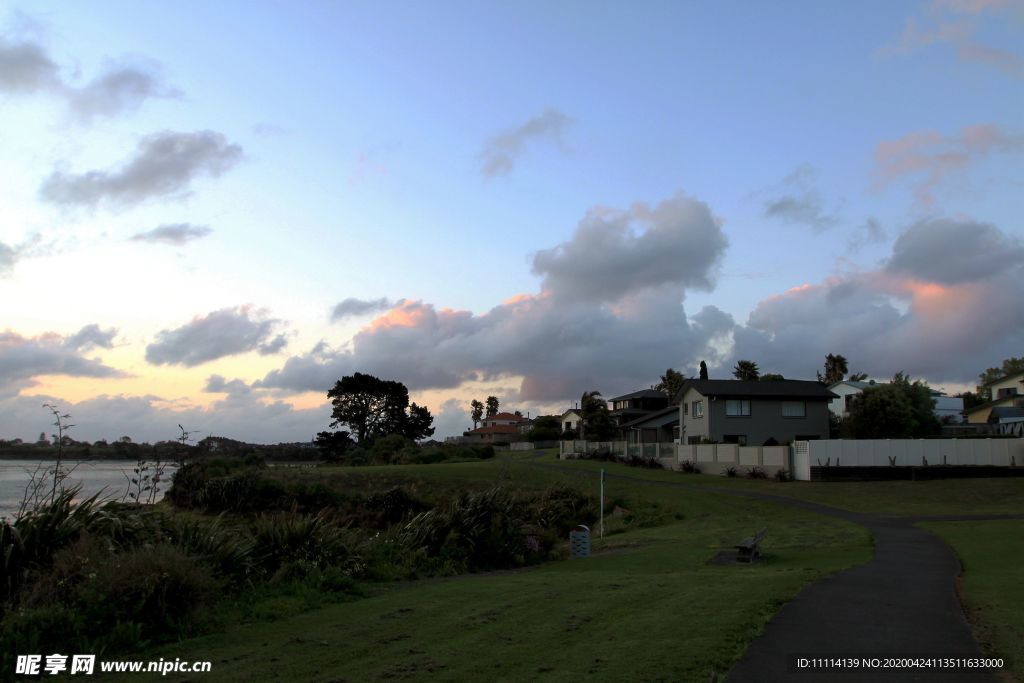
<point>686,408</point>
<point>848,398</point>
<point>740,439</point>
<point>698,408</point>
<point>794,409</point>
<point>693,440</point>
<point>737,408</point>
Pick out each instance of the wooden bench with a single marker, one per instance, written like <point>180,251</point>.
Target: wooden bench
<point>747,550</point>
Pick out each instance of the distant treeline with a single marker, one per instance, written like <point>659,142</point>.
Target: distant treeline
<point>126,449</point>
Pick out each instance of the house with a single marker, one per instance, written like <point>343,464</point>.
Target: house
<point>496,429</point>
<point>1005,392</point>
<point>753,412</point>
<point>947,409</point>
<point>630,407</point>
<point>661,426</point>
<point>571,420</point>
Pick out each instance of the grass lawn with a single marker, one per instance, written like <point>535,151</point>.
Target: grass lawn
<point>991,587</point>
<point>885,498</point>
<point>646,606</point>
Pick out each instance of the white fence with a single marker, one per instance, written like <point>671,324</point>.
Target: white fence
<point>798,459</point>
<point>904,453</point>
<point>711,458</point>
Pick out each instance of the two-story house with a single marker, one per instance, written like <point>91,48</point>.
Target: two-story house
<point>753,412</point>
<point>638,404</point>
<point>1006,392</point>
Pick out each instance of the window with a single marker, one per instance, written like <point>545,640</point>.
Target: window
<point>737,408</point>
<point>693,440</point>
<point>740,439</point>
<point>794,409</point>
<point>698,408</point>
<point>686,408</point>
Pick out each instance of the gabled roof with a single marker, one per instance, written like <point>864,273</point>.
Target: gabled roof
<point>643,393</point>
<point>654,416</point>
<point>778,388</point>
<point>504,416</point>
<point>1012,375</point>
<point>496,429</point>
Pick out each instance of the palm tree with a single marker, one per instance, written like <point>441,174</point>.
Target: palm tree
<point>746,369</point>
<point>835,369</point>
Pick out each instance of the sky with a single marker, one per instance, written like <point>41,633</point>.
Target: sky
<point>211,212</point>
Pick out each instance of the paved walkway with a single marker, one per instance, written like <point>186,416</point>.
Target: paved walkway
<point>902,603</point>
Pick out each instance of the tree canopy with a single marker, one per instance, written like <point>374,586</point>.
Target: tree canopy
<point>899,410</point>
<point>703,370</point>
<point>746,369</point>
<point>671,382</point>
<point>476,412</point>
<point>597,423</point>
<point>492,405</point>
<point>835,369</point>
<point>372,407</point>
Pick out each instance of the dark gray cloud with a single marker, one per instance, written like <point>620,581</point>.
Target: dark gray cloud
<point>798,202</point>
<point>22,359</point>
<point>275,345</point>
<point>954,251</point>
<point>217,384</point>
<point>91,336</point>
<point>227,332</point>
<point>26,68</point>
<point>164,164</point>
<point>352,307</point>
<point>609,316</point>
<point>869,232</point>
<point>499,155</point>
<point>175,234</point>
<point>680,242</point>
<point>945,306</point>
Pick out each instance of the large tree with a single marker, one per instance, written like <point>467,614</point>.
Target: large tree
<point>703,370</point>
<point>671,382</point>
<point>746,369</point>
<point>597,423</point>
<point>835,369</point>
<point>492,405</point>
<point>373,407</point>
<point>899,410</point>
<point>477,411</point>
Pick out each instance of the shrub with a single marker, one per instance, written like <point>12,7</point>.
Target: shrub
<point>690,467</point>
<point>783,475</point>
<point>756,473</point>
<point>289,537</point>
<point>730,471</point>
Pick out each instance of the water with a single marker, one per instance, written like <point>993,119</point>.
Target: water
<point>106,477</point>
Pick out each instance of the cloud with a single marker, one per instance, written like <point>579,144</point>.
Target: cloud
<point>869,232</point>
<point>26,68</point>
<point>932,157</point>
<point>799,203</point>
<point>118,90</point>
<point>953,252</point>
<point>8,257</point>
<point>175,234</point>
<point>217,384</point>
<point>352,307</point>
<point>238,415</point>
<point>609,316</point>
<point>91,336</point>
<point>164,164</point>
<point>24,358</point>
<point>955,23</point>
<point>226,332</point>
<point>614,253</point>
<point>944,306</point>
<point>500,153</point>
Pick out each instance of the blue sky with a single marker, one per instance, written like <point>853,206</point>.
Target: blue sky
<point>766,181</point>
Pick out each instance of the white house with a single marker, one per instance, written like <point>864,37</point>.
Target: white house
<point>947,408</point>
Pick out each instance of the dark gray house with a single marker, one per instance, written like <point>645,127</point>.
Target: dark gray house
<point>752,413</point>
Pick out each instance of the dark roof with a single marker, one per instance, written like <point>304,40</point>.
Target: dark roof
<point>1005,412</point>
<point>653,416</point>
<point>643,393</point>
<point>1004,378</point>
<point>496,429</point>
<point>777,388</point>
